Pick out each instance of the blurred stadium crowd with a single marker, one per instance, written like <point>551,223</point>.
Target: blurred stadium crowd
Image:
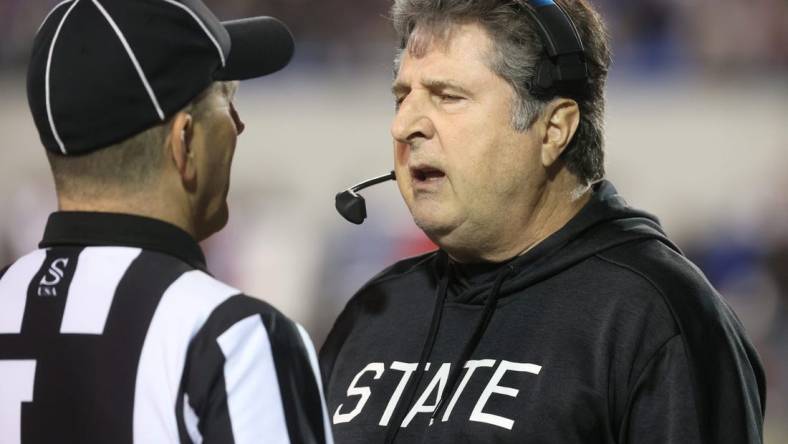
<point>649,34</point>
<point>745,255</point>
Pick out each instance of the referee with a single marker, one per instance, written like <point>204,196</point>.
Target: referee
<point>113,331</point>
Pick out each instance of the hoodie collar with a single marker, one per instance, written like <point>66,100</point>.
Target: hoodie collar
<point>114,229</point>
<point>604,222</point>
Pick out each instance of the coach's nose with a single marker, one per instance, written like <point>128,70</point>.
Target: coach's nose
<point>412,122</point>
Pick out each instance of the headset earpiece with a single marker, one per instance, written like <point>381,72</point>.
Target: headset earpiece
<point>543,84</point>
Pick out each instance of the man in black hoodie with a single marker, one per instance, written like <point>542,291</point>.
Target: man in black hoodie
<point>553,312</point>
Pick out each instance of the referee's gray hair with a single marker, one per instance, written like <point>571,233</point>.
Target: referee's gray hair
<point>516,49</point>
<point>133,164</point>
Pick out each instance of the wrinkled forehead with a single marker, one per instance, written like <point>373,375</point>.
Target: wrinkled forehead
<point>426,35</point>
<point>436,34</point>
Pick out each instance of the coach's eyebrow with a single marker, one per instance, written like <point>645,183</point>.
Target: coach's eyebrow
<point>439,85</point>
<point>434,85</point>
<point>399,88</point>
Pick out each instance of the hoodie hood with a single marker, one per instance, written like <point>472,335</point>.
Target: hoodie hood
<point>605,222</point>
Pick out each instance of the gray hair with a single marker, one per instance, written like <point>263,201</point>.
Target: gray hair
<point>516,49</point>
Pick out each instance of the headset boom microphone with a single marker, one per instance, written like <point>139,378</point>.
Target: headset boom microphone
<point>351,205</point>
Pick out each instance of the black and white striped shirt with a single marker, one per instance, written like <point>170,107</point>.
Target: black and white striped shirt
<point>114,332</point>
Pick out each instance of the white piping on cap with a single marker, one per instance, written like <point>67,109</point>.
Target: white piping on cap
<point>133,58</point>
<point>50,14</point>
<point>46,78</point>
<point>202,25</point>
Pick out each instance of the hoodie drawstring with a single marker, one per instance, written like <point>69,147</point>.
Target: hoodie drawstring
<point>426,351</point>
<point>470,346</point>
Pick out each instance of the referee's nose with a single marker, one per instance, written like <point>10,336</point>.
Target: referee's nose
<point>239,125</point>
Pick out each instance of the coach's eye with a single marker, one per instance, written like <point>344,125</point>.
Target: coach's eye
<point>449,98</point>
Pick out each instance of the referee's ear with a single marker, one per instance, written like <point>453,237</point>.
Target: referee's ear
<point>181,151</point>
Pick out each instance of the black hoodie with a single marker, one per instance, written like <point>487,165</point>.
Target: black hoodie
<point>602,333</point>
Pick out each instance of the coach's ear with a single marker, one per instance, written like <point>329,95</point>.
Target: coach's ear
<point>180,147</point>
<point>561,118</point>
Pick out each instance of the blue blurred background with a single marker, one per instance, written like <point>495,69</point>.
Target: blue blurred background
<point>696,133</point>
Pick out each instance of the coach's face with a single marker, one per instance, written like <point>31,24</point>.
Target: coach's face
<point>215,133</point>
<point>468,177</point>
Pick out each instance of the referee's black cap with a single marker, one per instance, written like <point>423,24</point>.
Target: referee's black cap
<point>104,70</point>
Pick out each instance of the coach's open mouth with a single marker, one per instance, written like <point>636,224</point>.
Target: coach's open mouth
<point>426,173</point>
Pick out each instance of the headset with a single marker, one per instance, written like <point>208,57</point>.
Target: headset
<point>562,68</point>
